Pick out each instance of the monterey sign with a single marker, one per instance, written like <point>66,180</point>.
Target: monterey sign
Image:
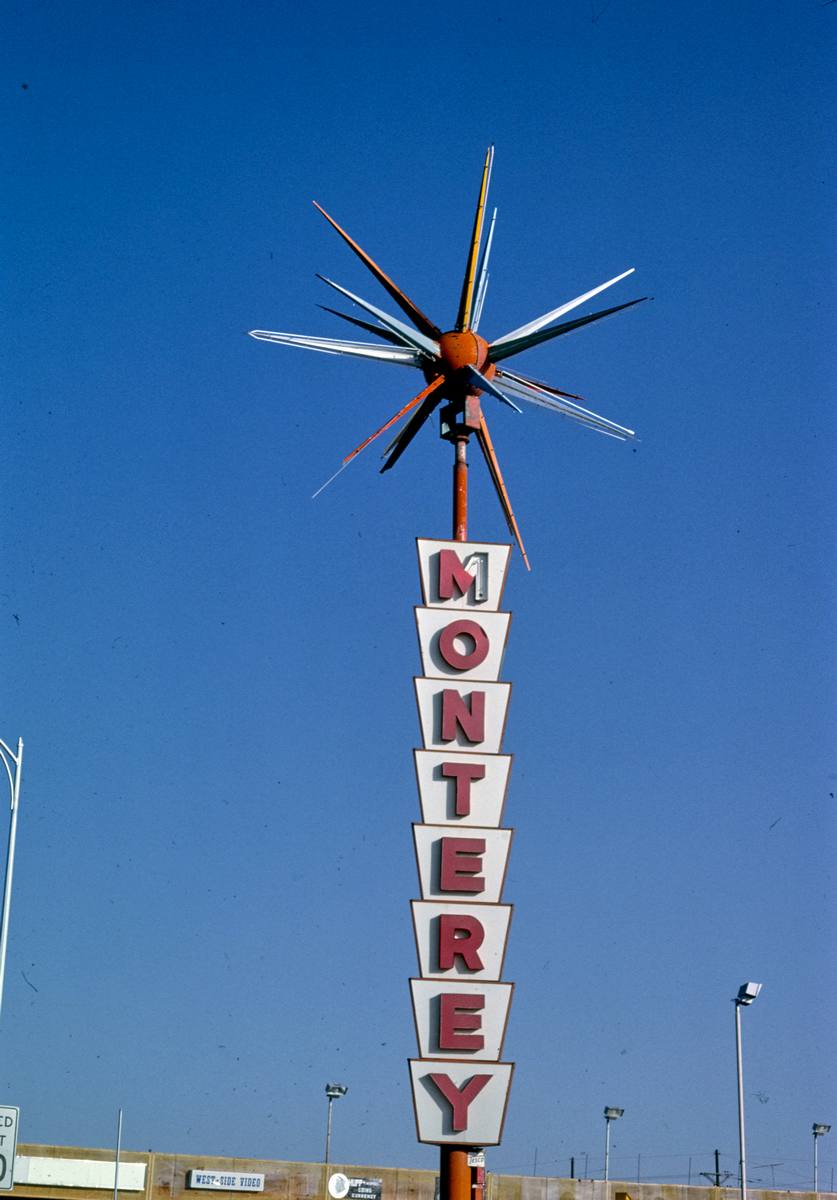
<point>460,1086</point>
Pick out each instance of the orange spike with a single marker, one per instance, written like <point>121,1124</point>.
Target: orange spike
<point>404,302</point>
<point>431,387</point>
<point>496,475</point>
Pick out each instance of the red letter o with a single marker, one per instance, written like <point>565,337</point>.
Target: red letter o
<point>468,629</point>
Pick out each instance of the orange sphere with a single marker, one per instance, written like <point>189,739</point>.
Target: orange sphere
<point>464,349</point>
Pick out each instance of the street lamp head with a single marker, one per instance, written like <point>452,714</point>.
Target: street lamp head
<point>613,1114</point>
<point>820,1130</point>
<point>335,1090</point>
<point>747,993</point>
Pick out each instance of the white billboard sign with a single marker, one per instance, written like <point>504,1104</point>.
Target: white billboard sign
<point>463,789</point>
<point>457,645</point>
<point>465,864</point>
<point>460,1103</point>
<point>462,716</point>
<point>461,941</point>
<point>462,574</point>
<point>461,1007</point>
<point>460,1019</point>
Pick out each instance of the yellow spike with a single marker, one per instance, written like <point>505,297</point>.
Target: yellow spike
<point>463,320</point>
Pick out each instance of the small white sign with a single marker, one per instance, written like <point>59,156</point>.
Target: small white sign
<point>9,1120</point>
<point>461,941</point>
<point>462,864</point>
<point>458,1102</point>
<point>468,575</point>
<point>456,645</point>
<point>225,1181</point>
<point>462,716</point>
<point>476,1158</point>
<point>338,1186</point>
<point>463,789</point>
<point>462,1019</point>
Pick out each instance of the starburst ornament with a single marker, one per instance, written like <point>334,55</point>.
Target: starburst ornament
<point>458,366</point>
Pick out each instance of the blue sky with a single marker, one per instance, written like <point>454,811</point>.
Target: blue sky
<point>212,673</point>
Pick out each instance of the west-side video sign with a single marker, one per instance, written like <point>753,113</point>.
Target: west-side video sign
<point>224,1181</point>
<point>461,1006</point>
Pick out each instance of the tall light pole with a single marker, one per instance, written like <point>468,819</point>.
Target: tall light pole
<point>610,1114</point>
<point>10,761</point>
<point>818,1132</point>
<point>334,1091</point>
<point>746,995</point>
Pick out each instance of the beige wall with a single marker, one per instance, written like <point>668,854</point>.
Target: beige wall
<point>166,1180</point>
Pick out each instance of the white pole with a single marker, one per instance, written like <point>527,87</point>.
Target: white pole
<point>816,1167</point>
<point>14,784</point>
<point>607,1149</point>
<point>118,1150</point>
<point>328,1130</point>
<point>742,1159</point>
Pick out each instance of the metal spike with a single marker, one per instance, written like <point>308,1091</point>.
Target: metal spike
<point>463,318</point>
<point>404,302</point>
<point>498,353</point>
<point>413,337</point>
<point>497,478</point>
<point>423,394</point>
<point>408,356</point>
<point>479,380</point>
<point>394,339</point>
<point>549,317</point>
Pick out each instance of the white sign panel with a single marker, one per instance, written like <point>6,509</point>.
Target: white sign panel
<point>462,715</point>
<point>462,574</point>
<point>457,645</point>
<point>224,1181</point>
<point>460,1103</point>
<point>464,789</point>
<point>461,941</point>
<point>464,864</point>
<point>88,1173</point>
<point>459,1019</point>
<point>9,1121</point>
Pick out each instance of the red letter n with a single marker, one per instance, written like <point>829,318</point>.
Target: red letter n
<point>456,714</point>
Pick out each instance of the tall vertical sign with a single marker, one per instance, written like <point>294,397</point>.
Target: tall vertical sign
<point>460,1086</point>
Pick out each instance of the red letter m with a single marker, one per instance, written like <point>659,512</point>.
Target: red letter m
<point>452,575</point>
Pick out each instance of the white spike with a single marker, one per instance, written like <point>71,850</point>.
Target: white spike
<point>566,408</point>
<point>480,381</point>
<point>408,356</point>
<point>482,286</point>
<point>425,344</point>
<point>331,479</point>
<point>549,317</point>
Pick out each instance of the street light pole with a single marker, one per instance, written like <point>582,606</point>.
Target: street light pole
<point>610,1114</point>
<point>9,759</point>
<point>746,995</point>
<point>334,1091</point>
<point>818,1132</point>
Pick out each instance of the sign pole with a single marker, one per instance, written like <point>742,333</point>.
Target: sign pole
<point>454,1171</point>
<point>460,489</point>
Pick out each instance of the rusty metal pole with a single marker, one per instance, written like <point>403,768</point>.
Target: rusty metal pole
<point>460,489</point>
<point>454,1172</point>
